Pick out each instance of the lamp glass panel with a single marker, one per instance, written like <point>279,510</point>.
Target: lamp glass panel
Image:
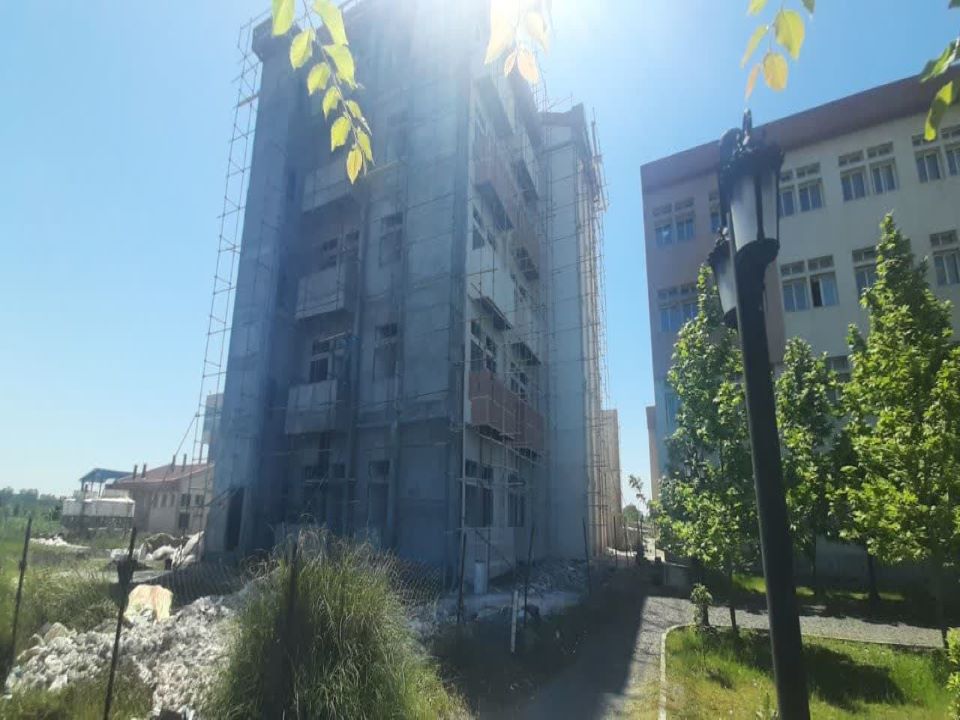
<point>722,265</point>
<point>743,210</point>
<point>768,194</point>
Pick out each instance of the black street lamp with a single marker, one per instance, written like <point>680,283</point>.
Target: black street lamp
<point>749,184</point>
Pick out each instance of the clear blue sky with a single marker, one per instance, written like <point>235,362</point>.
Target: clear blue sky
<point>113,141</point>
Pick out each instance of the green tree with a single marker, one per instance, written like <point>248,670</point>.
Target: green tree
<point>707,509</point>
<point>807,417</point>
<point>903,403</point>
<point>631,515</point>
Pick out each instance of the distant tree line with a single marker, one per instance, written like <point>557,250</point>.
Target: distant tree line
<point>22,503</point>
<point>874,461</point>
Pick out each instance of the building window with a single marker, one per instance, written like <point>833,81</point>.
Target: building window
<point>884,177</point>
<point>786,201</point>
<point>391,238</point>
<point>516,509</point>
<point>677,306</point>
<point>671,407</point>
<point>475,328</point>
<point>715,222</point>
<point>163,500</point>
<point>156,500</point>
<point>198,500</point>
<point>379,469</point>
<point>928,165</point>
<point>841,366</point>
<point>865,268</point>
<point>476,357</point>
<point>478,501</point>
<point>183,521</point>
<point>685,228</point>
<point>854,184</point>
<point>185,500</point>
<point>811,196</point>
<point>823,289</point>
<point>319,369</point>
<point>947,267</point>
<point>795,295</point>
<point>664,233</point>
<point>385,352</point>
<point>953,159</point>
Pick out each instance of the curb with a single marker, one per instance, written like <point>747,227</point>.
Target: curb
<point>662,714</point>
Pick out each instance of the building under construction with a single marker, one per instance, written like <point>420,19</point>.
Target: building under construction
<point>415,359</point>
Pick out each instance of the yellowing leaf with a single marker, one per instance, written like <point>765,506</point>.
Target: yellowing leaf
<point>527,65</point>
<point>354,108</point>
<point>282,12</point>
<point>503,29</point>
<point>301,48</point>
<point>354,163</point>
<point>753,42</point>
<point>343,60</point>
<point>318,77</point>
<point>330,100</point>
<point>537,28</point>
<point>756,6</point>
<point>752,80</point>
<point>945,97</point>
<point>810,5</point>
<point>332,19</point>
<point>775,70</point>
<point>363,140</point>
<point>510,62</point>
<point>339,132</point>
<point>788,26</point>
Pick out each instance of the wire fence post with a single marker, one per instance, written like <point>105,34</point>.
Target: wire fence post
<point>124,576</point>
<point>16,604</point>
<point>463,554</point>
<point>586,555</point>
<point>290,628</point>
<point>526,580</point>
<point>616,543</point>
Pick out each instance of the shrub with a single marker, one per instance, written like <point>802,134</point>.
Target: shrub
<point>344,652</point>
<point>701,599</point>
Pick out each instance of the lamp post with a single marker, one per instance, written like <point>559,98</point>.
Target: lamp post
<point>749,183</point>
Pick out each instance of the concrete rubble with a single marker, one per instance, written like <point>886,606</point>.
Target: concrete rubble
<point>177,657</point>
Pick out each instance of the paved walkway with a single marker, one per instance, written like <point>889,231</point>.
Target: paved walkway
<point>623,654</point>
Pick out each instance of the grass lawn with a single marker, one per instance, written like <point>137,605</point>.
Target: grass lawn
<point>712,675</point>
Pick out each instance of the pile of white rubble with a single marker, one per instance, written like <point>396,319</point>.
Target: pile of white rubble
<point>177,656</point>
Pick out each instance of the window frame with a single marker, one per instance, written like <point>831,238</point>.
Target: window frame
<point>807,186</point>
<point>847,186</point>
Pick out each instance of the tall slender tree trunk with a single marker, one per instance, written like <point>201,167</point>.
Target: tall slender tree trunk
<point>872,580</point>
<point>938,595</point>
<point>816,576</point>
<point>730,592</point>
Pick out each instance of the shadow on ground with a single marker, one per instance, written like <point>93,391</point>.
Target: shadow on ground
<point>575,665</point>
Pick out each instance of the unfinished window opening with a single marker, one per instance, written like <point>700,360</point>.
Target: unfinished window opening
<point>391,238</point>
<point>823,290</point>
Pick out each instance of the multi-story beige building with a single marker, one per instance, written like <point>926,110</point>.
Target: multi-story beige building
<point>847,163</point>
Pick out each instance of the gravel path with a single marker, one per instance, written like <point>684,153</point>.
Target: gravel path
<point>837,627</point>
<point>623,654</point>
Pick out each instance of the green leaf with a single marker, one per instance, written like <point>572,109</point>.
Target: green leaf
<point>775,71</point>
<point>343,60</point>
<point>811,5</point>
<point>945,97</point>
<point>339,132</point>
<point>938,66</point>
<point>318,77</point>
<point>954,4</point>
<point>282,12</point>
<point>788,26</point>
<point>752,81</point>
<point>301,48</point>
<point>332,20</point>
<point>330,100</point>
<point>354,162</point>
<point>510,62</point>
<point>364,141</point>
<point>756,6</point>
<point>753,42</point>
